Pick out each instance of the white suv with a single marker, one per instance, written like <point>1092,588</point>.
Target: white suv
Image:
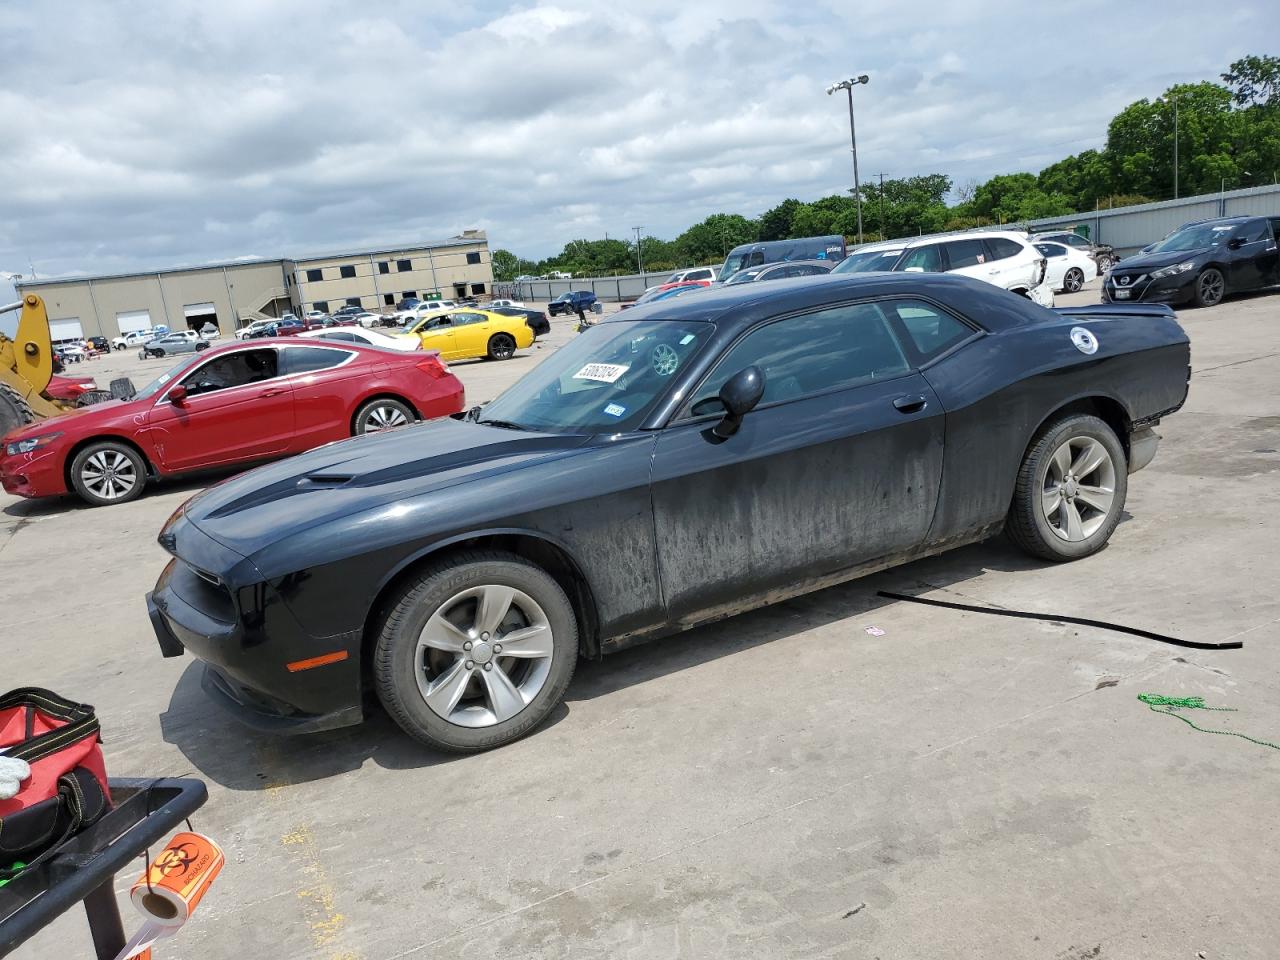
<point>707,274</point>
<point>995,256</point>
<point>131,339</point>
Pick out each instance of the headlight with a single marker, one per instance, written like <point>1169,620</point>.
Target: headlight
<point>1175,269</point>
<point>31,443</point>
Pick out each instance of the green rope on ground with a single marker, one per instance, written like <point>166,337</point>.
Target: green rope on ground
<point>1173,704</point>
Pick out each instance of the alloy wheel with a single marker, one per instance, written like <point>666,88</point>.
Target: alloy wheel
<point>1074,279</point>
<point>1211,287</point>
<point>109,474</point>
<point>1079,488</point>
<point>383,417</point>
<point>484,655</point>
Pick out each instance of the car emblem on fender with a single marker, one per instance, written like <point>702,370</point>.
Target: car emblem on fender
<point>1084,340</point>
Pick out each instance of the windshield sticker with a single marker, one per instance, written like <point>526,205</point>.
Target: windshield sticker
<point>602,372</point>
<point>615,409</point>
<point>687,339</point>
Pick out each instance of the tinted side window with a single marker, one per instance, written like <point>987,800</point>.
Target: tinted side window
<point>1052,249</point>
<point>311,359</point>
<point>465,318</point>
<point>338,335</point>
<point>965,253</point>
<point>1002,248</point>
<point>927,258</point>
<point>802,356</point>
<point>1253,230</point>
<point>232,370</point>
<point>1075,240</point>
<point>931,331</point>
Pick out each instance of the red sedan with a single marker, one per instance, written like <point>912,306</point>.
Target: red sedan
<point>241,403</point>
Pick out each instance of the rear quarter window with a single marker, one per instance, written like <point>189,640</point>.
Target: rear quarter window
<point>313,359</point>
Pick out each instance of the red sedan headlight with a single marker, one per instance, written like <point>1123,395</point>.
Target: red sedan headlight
<point>16,447</point>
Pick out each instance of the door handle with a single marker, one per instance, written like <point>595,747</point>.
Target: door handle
<point>272,392</point>
<point>911,404</point>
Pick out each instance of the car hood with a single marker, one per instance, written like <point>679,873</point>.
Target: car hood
<point>264,506</point>
<point>97,416</point>
<point>1153,261</point>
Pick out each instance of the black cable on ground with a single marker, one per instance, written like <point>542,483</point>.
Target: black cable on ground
<point>1082,621</point>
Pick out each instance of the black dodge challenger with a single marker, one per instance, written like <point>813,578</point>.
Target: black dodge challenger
<point>686,461</point>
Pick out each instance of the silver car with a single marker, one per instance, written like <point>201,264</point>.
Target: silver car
<point>184,341</point>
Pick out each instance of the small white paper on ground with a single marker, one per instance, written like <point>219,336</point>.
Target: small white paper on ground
<point>875,631</point>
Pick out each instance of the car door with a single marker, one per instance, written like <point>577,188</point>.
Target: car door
<point>472,331</point>
<point>1251,256</point>
<point>1010,263</point>
<point>325,380</point>
<point>438,334</point>
<point>969,258</point>
<point>926,258</point>
<point>838,465</point>
<point>237,408</point>
<point>1055,255</point>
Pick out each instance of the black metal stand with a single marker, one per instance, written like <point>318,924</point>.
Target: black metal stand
<point>145,812</point>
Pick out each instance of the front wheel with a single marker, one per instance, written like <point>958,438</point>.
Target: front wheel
<point>502,346</point>
<point>476,651</point>
<point>1070,490</point>
<point>1210,287</point>
<point>1074,280</point>
<point>108,472</point>
<point>381,414</point>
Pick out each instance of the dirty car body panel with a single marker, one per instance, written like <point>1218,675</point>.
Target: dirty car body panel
<point>658,524</point>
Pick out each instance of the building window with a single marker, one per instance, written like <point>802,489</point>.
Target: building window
<point>473,258</point>
<point>348,272</point>
<point>314,276</point>
<point>477,288</point>
<point>389,299</point>
<point>404,265</point>
<point>409,294</point>
<point>287,280</point>
<point>354,302</point>
<point>384,267</point>
<point>321,305</point>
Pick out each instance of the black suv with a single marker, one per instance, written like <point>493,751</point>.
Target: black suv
<point>1104,255</point>
<point>1201,263</point>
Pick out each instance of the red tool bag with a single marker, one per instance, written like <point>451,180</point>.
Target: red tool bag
<point>67,789</point>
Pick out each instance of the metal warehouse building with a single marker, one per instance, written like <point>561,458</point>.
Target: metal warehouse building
<point>231,294</point>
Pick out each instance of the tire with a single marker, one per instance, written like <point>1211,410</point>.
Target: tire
<point>1073,280</point>
<point>1080,519</point>
<point>108,472</point>
<point>201,346</point>
<point>1104,264</point>
<point>14,410</point>
<point>90,397</point>
<point>502,346</point>
<point>1211,287</point>
<point>411,662</point>
<point>379,414</point>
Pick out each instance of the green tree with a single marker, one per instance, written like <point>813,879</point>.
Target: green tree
<point>775,224</point>
<point>710,240</point>
<point>506,265</point>
<point>1254,81</point>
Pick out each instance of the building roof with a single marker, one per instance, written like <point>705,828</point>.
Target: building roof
<point>478,237</point>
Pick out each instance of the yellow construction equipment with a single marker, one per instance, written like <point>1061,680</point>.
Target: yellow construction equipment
<point>26,365</point>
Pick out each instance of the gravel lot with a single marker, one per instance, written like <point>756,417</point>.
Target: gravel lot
<point>780,784</point>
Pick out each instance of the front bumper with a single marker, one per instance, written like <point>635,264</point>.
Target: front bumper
<point>254,649</point>
<point>35,474</point>
<point>1142,289</point>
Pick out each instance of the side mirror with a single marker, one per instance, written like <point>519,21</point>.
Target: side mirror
<point>740,394</point>
<point>1235,243</point>
<point>178,395</point>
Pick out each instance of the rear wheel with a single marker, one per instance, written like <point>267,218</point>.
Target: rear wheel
<point>1210,287</point>
<point>1070,490</point>
<point>108,472</point>
<point>1104,263</point>
<point>476,651</point>
<point>380,414</point>
<point>502,346</point>
<point>14,411</point>
<point>1074,280</point>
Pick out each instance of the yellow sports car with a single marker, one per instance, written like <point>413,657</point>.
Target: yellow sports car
<point>462,334</point>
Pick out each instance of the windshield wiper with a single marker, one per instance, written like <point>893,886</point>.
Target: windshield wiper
<point>504,424</point>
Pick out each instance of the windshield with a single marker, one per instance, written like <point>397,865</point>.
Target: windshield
<point>1195,237</point>
<point>604,381</point>
<point>173,373</point>
<point>744,276</point>
<point>732,265</point>
<point>867,261</point>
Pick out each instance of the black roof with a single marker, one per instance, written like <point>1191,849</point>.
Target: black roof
<point>743,304</point>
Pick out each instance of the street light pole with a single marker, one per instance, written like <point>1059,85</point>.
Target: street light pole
<point>639,255</point>
<point>847,86</point>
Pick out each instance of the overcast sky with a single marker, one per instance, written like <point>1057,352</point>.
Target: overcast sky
<point>144,135</point>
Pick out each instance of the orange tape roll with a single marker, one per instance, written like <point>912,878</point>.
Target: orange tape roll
<point>168,893</point>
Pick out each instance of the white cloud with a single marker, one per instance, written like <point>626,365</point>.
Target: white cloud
<point>142,135</point>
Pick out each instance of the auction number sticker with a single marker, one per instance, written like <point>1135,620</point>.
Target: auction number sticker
<point>615,409</point>
<point>603,372</point>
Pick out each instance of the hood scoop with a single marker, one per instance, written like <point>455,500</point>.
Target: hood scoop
<point>325,480</point>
